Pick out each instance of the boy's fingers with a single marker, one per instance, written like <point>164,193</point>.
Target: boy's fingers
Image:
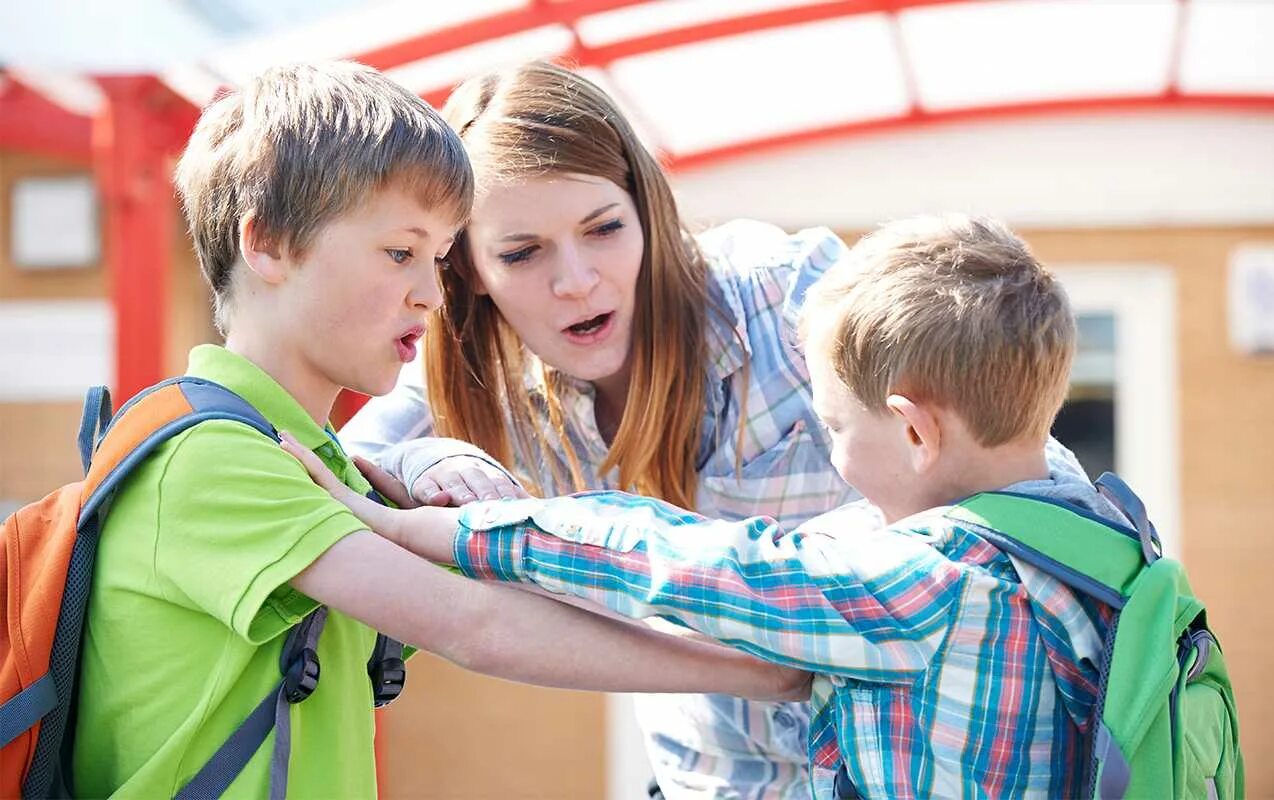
<point>317,469</point>
<point>389,487</point>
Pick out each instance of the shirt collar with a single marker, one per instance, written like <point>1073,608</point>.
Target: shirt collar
<point>263,392</point>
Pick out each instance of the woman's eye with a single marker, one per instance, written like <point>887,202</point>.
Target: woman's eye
<point>607,228</point>
<point>398,255</point>
<point>518,256</point>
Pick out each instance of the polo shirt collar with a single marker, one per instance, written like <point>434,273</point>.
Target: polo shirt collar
<point>241,376</point>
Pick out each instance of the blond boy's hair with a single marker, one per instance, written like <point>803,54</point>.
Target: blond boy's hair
<point>302,144</point>
<point>953,310</point>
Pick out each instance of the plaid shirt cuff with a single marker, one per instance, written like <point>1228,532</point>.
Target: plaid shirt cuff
<point>490,545</point>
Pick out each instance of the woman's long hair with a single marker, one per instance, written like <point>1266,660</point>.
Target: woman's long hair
<point>538,120</point>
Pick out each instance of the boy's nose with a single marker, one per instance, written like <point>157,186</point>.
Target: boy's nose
<point>427,293</point>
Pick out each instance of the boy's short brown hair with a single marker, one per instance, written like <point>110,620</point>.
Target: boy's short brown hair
<point>303,144</point>
<point>954,310</point>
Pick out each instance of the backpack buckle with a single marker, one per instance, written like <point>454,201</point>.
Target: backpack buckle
<point>388,676</point>
<point>302,676</point>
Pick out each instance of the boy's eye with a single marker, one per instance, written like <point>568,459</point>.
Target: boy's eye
<point>607,228</point>
<point>399,255</point>
<point>517,256</point>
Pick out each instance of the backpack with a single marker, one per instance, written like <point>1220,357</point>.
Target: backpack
<point>46,568</point>
<point>1165,724</point>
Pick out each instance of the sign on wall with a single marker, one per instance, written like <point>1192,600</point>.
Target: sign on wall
<point>1252,298</point>
<point>52,350</point>
<point>54,222</point>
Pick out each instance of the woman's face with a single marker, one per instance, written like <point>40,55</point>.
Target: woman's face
<point>559,256</point>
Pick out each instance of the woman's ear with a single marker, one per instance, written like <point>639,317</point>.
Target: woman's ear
<point>922,429</point>
<point>262,255</point>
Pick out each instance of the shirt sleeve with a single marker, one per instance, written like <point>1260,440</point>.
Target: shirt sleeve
<point>871,605</point>
<point>232,532</point>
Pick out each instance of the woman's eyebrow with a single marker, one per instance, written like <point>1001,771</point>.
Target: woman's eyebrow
<point>526,237</point>
<point>598,213</point>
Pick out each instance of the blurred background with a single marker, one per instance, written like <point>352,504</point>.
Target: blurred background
<point>1131,143</point>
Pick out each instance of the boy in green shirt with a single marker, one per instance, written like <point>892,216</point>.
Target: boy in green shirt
<point>321,199</point>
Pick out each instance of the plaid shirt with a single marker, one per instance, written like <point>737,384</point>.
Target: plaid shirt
<point>943,667</point>
<point>712,746</point>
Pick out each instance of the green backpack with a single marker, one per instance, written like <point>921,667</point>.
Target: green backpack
<point>1165,721</point>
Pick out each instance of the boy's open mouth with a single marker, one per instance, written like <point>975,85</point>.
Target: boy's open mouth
<point>407,345</point>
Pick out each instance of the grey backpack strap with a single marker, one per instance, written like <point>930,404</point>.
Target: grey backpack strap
<point>386,669</point>
<point>300,667</point>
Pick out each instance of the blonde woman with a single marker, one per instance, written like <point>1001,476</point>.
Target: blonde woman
<point>589,341</point>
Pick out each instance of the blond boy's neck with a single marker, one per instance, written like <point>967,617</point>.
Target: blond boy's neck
<point>975,470</point>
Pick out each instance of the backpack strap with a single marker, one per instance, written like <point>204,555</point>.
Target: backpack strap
<point>299,664</point>
<point>1094,556</point>
<point>151,418</point>
<point>1097,557</point>
<point>143,424</point>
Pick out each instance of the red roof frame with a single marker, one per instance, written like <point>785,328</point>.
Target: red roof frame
<point>137,209</point>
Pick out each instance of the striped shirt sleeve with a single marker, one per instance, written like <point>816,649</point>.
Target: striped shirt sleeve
<point>867,605</point>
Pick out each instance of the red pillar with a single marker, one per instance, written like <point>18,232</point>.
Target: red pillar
<point>133,136</point>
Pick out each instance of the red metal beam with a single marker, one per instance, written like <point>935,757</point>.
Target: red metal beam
<point>484,29</point>
<point>1263,104</point>
<point>133,138</point>
<point>32,123</point>
<point>603,55</point>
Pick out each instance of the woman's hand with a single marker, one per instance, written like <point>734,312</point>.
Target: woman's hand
<point>461,479</point>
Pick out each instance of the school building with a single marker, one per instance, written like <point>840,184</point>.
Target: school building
<point>1128,142</point>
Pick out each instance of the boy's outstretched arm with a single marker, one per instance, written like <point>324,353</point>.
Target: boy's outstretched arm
<point>862,602</point>
<point>517,635</point>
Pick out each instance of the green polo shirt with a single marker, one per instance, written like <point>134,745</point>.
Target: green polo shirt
<point>191,604</point>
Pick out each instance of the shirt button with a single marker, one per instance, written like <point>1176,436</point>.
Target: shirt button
<point>784,719</point>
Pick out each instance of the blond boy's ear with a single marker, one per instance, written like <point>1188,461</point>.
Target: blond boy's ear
<point>262,255</point>
<point>922,430</point>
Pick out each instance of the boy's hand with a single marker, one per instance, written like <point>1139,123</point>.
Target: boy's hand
<point>457,480</point>
<point>377,517</point>
<point>387,485</point>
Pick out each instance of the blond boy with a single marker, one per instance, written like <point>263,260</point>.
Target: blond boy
<point>939,353</point>
<point>319,198</point>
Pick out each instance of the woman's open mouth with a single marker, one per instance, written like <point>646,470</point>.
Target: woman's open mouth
<point>591,330</point>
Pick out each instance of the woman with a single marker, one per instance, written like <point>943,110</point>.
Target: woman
<point>589,341</point>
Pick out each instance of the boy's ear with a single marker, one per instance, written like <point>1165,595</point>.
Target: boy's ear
<point>262,255</point>
<point>922,429</point>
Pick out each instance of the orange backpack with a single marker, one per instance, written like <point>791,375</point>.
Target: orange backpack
<point>46,568</point>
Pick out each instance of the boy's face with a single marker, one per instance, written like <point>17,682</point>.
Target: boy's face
<point>868,447</point>
<point>353,309</point>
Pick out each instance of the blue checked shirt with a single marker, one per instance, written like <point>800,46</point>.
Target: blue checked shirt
<point>943,668</point>
<point>701,746</point>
